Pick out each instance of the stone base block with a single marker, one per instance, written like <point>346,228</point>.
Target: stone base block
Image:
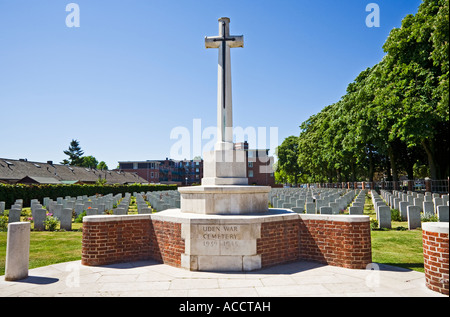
<point>224,199</point>
<point>221,263</point>
<point>226,242</point>
<point>225,167</point>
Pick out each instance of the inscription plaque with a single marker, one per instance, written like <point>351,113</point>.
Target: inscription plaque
<point>223,239</point>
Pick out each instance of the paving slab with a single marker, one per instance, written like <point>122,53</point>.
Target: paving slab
<point>152,279</point>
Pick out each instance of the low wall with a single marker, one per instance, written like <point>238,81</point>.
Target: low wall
<point>436,256</point>
<point>116,239</point>
<point>339,240</point>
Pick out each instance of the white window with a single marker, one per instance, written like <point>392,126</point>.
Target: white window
<point>250,164</point>
<point>250,173</point>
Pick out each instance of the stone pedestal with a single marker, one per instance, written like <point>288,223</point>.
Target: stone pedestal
<point>224,166</point>
<point>223,242</point>
<point>224,200</point>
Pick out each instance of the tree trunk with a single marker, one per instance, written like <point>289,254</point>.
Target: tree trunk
<point>371,165</point>
<point>393,160</point>
<point>429,149</point>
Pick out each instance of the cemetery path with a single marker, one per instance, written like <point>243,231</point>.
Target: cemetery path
<point>152,279</point>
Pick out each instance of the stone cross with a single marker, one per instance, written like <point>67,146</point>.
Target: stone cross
<point>224,42</point>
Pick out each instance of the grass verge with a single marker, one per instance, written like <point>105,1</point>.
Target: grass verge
<point>396,246</point>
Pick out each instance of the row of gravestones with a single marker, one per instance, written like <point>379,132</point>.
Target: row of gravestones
<point>163,200</point>
<point>318,201</point>
<point>63,208</point>
<point>39,214</point>
<point>411,206</point>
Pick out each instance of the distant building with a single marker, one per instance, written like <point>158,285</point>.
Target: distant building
<point>259,165</point>
<point>23,171</point>
<point>190,172</point>
<point>168,171</point>
<point>148,170</point>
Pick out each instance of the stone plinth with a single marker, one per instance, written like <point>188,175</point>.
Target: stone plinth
<point>227,242</point>
<point>224,167</point>
<point>224,200</point>
<point>230,242</point>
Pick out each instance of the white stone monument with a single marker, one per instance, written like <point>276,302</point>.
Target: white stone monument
<point>221,219</point>
<point>224,187</point>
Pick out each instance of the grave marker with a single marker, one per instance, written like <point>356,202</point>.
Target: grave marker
<point>414,220</point>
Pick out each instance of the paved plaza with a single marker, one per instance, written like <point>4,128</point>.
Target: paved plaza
<point>152,279</point>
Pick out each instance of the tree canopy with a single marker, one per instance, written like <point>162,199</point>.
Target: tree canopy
<point>394,117</point>
<point>76,158</point>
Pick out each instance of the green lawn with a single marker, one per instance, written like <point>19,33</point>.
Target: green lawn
<point>396,247</point>
<point>47,248</point>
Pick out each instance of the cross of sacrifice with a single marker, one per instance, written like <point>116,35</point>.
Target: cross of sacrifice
<point>224,42</point>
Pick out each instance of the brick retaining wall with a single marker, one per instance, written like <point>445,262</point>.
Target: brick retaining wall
<point>167,244</point>
<point>338,240</point>
<point>279,242</point>
<point>115,239</point>
<point>436,256</point>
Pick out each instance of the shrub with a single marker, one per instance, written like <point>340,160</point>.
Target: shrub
<point>429,217</point>
<point>373,224</point>
<point>3,223</point>
<point>79,219</point>
<point>395,215</point>
<point>51,222</point>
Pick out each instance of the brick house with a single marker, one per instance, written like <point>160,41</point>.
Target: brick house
<point>259,165</point>
<point>190,172</point>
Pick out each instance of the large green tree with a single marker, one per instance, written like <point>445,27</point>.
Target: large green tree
<point>89,161</point>
<point>287,154</point>
<point>394,116</point>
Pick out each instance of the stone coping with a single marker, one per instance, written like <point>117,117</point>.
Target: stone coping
<point>224,189</point>
<point>175,215</point>
<point>439,227</point>
<point>108,218</point>
<point>274,214</point>
<point>337,218</point>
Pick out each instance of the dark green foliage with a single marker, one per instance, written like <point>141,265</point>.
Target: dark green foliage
<point>9,193</point>
<point>394,116</point>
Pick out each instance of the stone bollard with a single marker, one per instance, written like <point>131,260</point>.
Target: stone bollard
<point>17,251</point>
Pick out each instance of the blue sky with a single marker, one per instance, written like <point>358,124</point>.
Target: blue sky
<point>134,70</point>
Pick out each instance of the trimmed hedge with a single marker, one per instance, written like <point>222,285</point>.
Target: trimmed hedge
<point>9,193</point>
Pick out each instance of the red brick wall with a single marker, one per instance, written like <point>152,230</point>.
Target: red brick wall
<point>167,244</point>
<point>436,261</point>
<point>115,241</point>
<point>344,244</point>
<point>131,240</point>
<point>278,243</point>
<point>125,239</point>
